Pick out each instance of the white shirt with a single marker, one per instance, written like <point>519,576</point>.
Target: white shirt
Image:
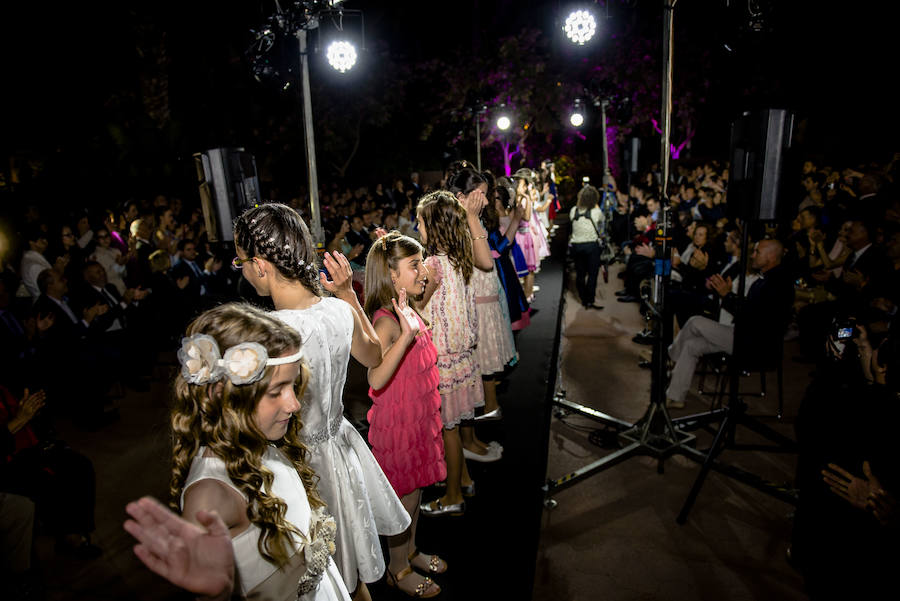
<point>33,263</point>
<point>583,228</point>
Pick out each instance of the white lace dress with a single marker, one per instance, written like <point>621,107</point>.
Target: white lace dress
<point>257,579</point>
<point>357,492</point>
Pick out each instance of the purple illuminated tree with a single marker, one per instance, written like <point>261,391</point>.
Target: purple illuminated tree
<point>515,81</point>
<point>627,73</point>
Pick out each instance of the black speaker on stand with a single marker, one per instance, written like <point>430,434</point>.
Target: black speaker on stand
<point>228,186</point>
<point>760,142</point>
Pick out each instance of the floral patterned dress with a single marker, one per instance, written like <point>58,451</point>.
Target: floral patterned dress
<point>454,322</point>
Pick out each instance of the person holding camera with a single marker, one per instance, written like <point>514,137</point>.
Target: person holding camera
<point>587,224</point>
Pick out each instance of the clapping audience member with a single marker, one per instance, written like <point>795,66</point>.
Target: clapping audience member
<point>845,526</point>
<point>79,383</point>
<point>111,258</point>
<point>140,247</point>
<point>168,307</point>
<point>121,329</point>
<point>191,265</point>
<point>762,320</point>
<point>34,260</point>
<point>67,252</point>
<point>59,480</point>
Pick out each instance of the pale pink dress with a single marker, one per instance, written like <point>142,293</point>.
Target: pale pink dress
<point>454,331</point>
<point>496,345</point>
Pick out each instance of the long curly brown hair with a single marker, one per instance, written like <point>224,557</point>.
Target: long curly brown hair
<point>222,420</point>
<point>446,231</point>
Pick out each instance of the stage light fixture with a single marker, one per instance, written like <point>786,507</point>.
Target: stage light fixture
<point>341,56</point>
<point>503,122</point>
<point>576,119</point>
<point>580,26</point>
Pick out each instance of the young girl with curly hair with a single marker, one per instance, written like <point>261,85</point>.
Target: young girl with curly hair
<point>449,230</point>
<point>237,451</point>
<point>405,418</point>
<point>276,256</point>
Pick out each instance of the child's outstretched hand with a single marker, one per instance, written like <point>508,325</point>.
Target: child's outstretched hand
<point>341,274</point>
<point>409,325</point>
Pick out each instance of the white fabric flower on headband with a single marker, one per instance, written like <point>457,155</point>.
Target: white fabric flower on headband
<point>199,357</point>
<point>244,363</point>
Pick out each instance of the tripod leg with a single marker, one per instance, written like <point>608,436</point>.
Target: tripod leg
<point>715,449</point>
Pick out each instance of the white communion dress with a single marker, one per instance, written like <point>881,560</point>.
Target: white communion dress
<point>351,482</point>
<point>258,579</point>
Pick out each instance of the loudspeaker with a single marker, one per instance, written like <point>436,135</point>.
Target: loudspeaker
<point>228,186</point>
<point>632,150</point>
<point>759,143</point>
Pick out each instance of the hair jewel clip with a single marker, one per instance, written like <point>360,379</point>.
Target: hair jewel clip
<point>253,221</point>
<point>272,239</point>
<point>301,263</point>
<point>287,246</point>
<point>203,363</point>
<point>310,267</point>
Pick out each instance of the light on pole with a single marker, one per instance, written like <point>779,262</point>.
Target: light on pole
<point>503,122</point>
<point>341,55</point>
<point>580,26</point>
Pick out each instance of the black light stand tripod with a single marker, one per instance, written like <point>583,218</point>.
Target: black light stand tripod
<point>656,434</point>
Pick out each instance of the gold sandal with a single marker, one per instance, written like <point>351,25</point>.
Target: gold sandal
<point>424,590</point>
<point>434,565</point>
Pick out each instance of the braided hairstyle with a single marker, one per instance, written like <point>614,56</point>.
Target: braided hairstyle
<point>277,233</point>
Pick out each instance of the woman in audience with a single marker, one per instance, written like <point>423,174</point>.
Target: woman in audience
<point>110,258</point>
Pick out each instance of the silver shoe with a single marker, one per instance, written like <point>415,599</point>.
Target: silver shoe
<point>467,491</point>
<point>441,509</point>
<point>490,415</point>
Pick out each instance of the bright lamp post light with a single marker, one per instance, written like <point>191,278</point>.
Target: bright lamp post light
<point>504,123</point>
<point>580,26</point>
<point>576,119</point>
<point>341,56</point>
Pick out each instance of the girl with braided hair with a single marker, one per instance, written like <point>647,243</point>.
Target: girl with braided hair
<point>276,256</point>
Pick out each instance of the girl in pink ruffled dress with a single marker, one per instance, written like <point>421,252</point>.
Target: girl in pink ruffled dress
<point>405,418</point>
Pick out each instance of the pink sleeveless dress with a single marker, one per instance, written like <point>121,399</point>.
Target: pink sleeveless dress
<point>405,418</point>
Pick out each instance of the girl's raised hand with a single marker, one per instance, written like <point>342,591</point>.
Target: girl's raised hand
<point>409,325</point>
<point>341,274</point>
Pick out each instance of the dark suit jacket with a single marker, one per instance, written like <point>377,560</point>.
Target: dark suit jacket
<point>763,317</point>
<point>193,288</point>
<point>64,332</point>
<point>88,296</point>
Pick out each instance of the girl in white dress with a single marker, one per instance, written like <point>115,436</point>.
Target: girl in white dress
<point>275,254</point>
<point>237,452</point>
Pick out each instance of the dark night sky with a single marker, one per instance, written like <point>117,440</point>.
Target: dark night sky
<point>833,62</point>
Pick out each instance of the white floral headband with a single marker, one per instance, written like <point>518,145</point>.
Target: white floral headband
<point>244,363</point>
